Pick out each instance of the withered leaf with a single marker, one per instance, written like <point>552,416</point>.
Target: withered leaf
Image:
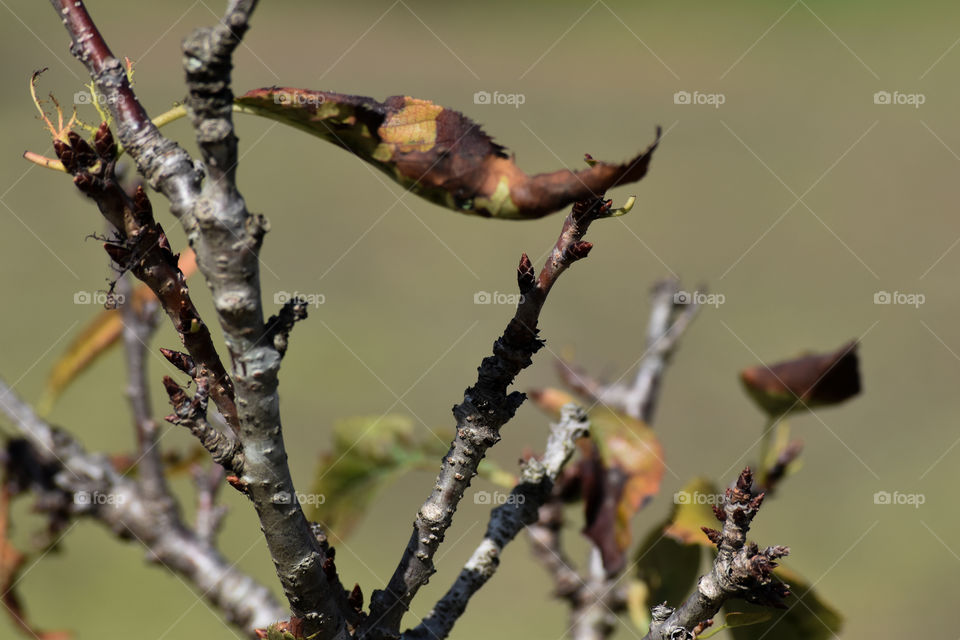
<point>439,153</point>
<point>805,382</point>
<point>620,470</point>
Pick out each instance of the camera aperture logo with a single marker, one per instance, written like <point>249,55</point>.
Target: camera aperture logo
<point>497,497</point>
<point>909,99</point>
<point>511,99</point>
<point>899,298</point>
<point>486,297</point>
<point>897,498</point>
<point>699,298</point>
<point>699,98</point>
<point>313,299</point>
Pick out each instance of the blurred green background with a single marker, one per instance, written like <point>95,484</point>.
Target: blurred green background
<point>399,330</point>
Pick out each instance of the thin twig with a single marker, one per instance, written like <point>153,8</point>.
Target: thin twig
<point>486,407</point>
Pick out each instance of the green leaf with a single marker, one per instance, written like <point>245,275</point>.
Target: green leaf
<point>808,616</point>
<point>438,153</point>
<point>368,452</point>
<point>668,561</point>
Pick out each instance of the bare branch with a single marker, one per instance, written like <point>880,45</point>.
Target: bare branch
<point>226,238</point>
<point>138,328</point>
<point>668,321</point>
<point>506,521</point>
<point>547,548</point>
<point>191,412</point>
<point>740,570</point>
<point>209,514</point>
<point>486,407</point>
<point>141,247</point>
<point>130,513</point>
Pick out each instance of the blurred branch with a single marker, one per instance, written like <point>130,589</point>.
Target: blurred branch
<point>547,548</point>
<point>94,489</point>
<point>740,570</point>
<point>506,521</point>
<point>669,319</point>
<point>486,407</point>
<point>139,325</point>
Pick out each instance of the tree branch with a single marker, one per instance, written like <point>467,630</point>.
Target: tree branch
<point>96,490</point>
<point>669,319</point>
<point>486,407</point>
<point>226,238</point>
<point>506,521</point>
<point>593,598</point>
<point>740,570</point>
<point>141,247</point>
<point>138,328</point>
<point>547,547</point>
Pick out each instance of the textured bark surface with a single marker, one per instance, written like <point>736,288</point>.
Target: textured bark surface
<point>226,238</point>
<point>506,521</point>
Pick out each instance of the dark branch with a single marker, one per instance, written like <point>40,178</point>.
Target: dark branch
<point>141,247</point>
<point>506,521</point>
<point>486,407</point>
